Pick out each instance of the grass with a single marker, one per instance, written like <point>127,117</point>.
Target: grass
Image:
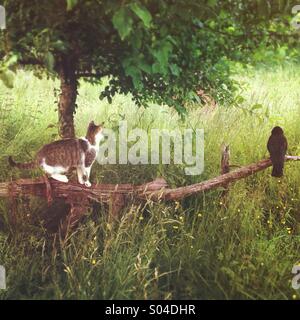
<point>205,247</point>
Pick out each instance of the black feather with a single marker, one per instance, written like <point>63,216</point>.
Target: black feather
<point>277,146</point>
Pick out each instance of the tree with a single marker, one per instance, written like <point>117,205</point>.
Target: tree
<point>158,50</point>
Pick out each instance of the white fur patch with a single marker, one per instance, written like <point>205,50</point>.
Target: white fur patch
<point>53,169</point>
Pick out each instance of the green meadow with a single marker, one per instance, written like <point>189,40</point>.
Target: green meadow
<point>242,246</point>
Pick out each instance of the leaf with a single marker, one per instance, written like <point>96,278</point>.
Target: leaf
<point>162,56</point>
<point>135,75</point>
<point>71,4</point>
<point>59,45</point>
<point>122,21</point>
<point>49,61</point>
<point>212,3</point>
<point>144,66</point>
<point>256,106</point>
<point>174,69</point>
<point>8,78</point>
<point>12,60</point>
<point>142,12</point>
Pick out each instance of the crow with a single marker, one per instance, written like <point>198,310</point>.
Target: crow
<point>277,146</point>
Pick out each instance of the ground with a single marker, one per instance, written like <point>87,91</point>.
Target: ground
<point>206,247</point>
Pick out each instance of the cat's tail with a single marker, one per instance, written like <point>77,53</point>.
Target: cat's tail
<point>27,165</point>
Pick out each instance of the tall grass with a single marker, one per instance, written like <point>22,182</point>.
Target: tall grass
<point>205,247</point>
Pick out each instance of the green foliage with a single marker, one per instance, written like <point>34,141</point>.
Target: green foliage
<point>205,247</point>
<point>160,50</point>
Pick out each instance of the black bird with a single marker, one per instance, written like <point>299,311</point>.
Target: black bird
<point>277,146</point>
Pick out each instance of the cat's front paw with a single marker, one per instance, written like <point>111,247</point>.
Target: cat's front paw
<point>87,184</point>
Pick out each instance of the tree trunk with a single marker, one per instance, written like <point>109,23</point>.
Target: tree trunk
<point>67,101</point>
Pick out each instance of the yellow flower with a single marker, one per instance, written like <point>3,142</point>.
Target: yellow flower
<point>175,227</point>
<point>181,218</point>
<point>238,210</point>
<point>93,261</point>
<point>192,247</point>
<point>199,215</point>
<point>294,297</point>
<point>220,203</point>
<point>141,218</point>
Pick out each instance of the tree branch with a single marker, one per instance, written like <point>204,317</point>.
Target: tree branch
<point>155,190</point>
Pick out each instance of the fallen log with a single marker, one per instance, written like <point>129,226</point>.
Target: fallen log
<point>116,196</point>
<point>155,190</point>
<point>224,179</point>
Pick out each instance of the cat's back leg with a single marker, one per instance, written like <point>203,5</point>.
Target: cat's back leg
<point>55,172</point>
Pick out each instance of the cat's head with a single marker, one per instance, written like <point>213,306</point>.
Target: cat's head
<point>94,133</point>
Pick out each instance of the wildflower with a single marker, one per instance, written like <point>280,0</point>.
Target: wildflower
<point>294,296</point>
<point>181,218</point>
<point>93,261</point>
<point>141,218</point>
<point>175,227</point>
<point>220,203</point>
<point>199,215</point>
<point>192,247</point>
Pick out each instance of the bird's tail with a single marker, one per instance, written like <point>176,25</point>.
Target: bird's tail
<point>27,165</point>
<point>277,171</point>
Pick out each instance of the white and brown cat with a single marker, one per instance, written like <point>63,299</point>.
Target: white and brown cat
<point>59,157</point>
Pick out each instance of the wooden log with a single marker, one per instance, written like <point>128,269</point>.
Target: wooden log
<point>155,190</point>
<point>225,166</point>
<point>243,172</point>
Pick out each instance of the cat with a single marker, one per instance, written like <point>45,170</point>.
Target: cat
<point>58,157</point>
